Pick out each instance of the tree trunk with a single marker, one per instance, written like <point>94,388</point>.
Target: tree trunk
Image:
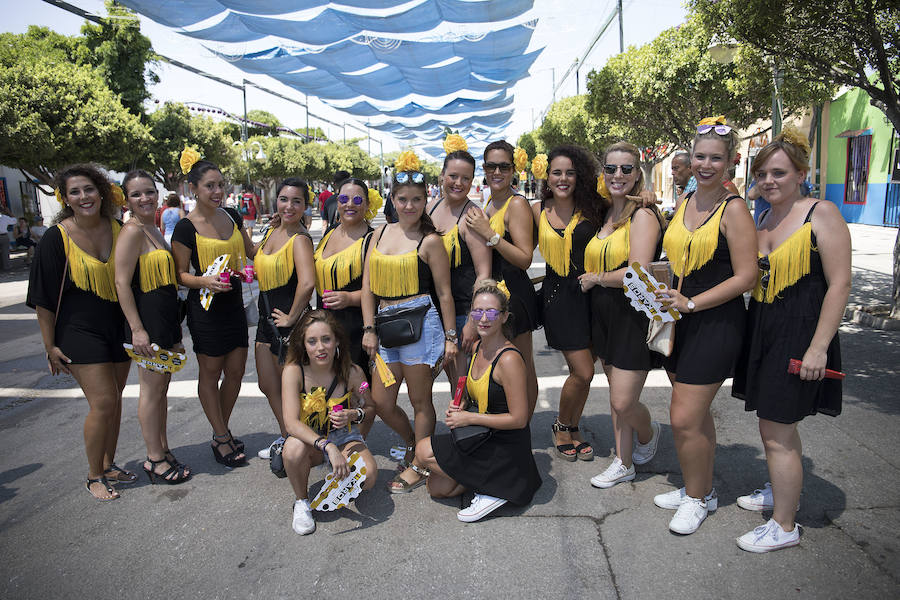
<point>895,293</point>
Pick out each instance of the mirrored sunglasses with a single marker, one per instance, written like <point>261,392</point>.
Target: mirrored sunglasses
<point>344,199</point>
<point>407,176</point>
<point>492,314</point>
<point>611,169</point>
<point>720,129</point>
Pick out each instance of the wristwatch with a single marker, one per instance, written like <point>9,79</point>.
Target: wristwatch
<point>495,239</point>
<point>450,336</point>
<point>690,305</point>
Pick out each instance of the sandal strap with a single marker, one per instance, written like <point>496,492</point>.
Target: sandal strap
<point>565,447</point>
<point>420,470</point>
<point>557,426</point>
<point>109,488</point>
<point>179,473</point>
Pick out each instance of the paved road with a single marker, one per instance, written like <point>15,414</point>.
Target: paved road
<point>226,534</point>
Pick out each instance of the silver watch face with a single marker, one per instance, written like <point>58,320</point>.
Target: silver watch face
<point>691,305</point>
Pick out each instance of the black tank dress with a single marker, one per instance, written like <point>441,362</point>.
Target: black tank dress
<point>222,328</point>
<point>462,269</point>
<point>707,342</point>
<point>503,466</point>
<point>156,297</point>
<point>524,303</point>
<point>781,323</point>
<point>274,291</point>
<point>566,309</point>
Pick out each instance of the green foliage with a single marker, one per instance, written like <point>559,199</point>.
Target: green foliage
<point>172,126</point>
<point>527,142</point>
<point>57,112</point>
<point>266,117</point>
<point>121,54</point>
<point>831,42</point>
<point>568,122</point>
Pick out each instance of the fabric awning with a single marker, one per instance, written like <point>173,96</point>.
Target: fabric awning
<point>852,133</point>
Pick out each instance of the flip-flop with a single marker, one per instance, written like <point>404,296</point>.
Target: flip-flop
<point>109,489</point>
<point>120,474</point>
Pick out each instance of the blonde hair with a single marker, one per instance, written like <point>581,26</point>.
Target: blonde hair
<point>730,140</point>
<point>490,286</point>
<point>792,141</point>
<point>630,205</point>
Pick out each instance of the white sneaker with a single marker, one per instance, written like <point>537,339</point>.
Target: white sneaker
<point>481,505</point>
<point>759,500</point>
<point>266,453</point>
<point>690,514</point>
<point>614,473</point>
<point>768,537</point>
<point>303,522</point>
<point>644,453</point>
<point>672,500</point>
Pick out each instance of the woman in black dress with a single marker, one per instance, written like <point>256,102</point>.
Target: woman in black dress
<point>507,226</point>
<point>72,287</point>
<point>568,216</point>
<point>145,283</point>
<point>711,244</point>
<point>219,334</point>
<point>286,273</point>
<point>795,312</point>
<point>500,468</point>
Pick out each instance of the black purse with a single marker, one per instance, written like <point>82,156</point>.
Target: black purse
<point>470,438</point>
<point>400,326</point>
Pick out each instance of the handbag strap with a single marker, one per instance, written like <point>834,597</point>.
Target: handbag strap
<point>62,281</point>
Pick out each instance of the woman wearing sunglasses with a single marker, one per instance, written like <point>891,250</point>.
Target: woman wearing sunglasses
<point>570,213</point>
<point>498,465</point>
<point>630,233</point>
<point>286,274</point>
<point>404,262</point>
<point>795,312</point>
<point>339,263</point>
<point>470,259</point>
<point>507,226</point>
<point>711,245</point>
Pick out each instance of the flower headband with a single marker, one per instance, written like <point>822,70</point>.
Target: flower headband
<point>520,158</point>
<point>189,156</point>
<point>454,142</point>
<point>539,166</point>
<point>407,161</point>
<point>375,202</point>
<point>714,123</point>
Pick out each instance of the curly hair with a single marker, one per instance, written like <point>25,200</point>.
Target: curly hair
<point>296,353</point>
<point>587,201</point>
<point>98,177</point>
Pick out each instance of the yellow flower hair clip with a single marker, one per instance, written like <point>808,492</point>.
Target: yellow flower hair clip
<point>375,202</point>
<point>720,120</point>
<point>189,156</point>
<point>539,166</point>
<point>501,285</point>
<point>407,161</point>
<point>520,158</point>
<point>59,198</point>
<point>454,142</point>
<point>794,137</point>
<point>118,195</point>
<point>601,187</point>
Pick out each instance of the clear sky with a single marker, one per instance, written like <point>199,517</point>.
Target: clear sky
<point>565,28</point>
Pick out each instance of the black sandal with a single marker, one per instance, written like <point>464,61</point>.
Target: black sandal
<point>578,448</point>
<point>231,459</point>
<point>121,475</point>
<point>561,449</point>
<point>109,489</point>
<point>172,476</point>
<point>177,463</point>
<point>237,443</point>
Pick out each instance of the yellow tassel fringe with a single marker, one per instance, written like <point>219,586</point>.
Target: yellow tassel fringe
<point>88,273</point>
<point>609,253</point>
<point>275,270</point>
<point>788,263</point>
<point>314,410</point>
<point>697,246</point>
<point>384,373</point>
<point>451,245</point>
<point>209,249</point>
<point>394,276</point>
<point>338,270</point>
<point>498,218</point>
<point>556,250</point>
<point>157,270</point>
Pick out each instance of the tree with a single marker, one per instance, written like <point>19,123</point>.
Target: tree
<point>121,55</point>
<point>262,116</point>
<point>842,42</point>
<point>527,142</point>
<point>568,122</point>
<point>58,112</point>
<point>172,126</point>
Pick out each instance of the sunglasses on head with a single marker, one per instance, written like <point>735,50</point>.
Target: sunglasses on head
<point>407,176</point>
<point>502,167</point>
<point>344,199</point>
<point>720,129</point>
<point>492,314</point>
<point>611,169</point>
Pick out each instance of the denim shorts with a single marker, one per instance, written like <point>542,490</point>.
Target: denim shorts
<point>342,436</point>
<point>430,346</point>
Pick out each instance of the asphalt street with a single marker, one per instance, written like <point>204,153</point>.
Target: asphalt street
<point>227,533</point>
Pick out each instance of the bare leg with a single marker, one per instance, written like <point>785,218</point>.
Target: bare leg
<point>626,408</point>
<point>210,369</point>
<point>268,372</point>
<point>440,485</point>
<point>418,385</point>
<point>120,370</point>
<point>385,400</point>
<point>784,453</point>
<point>299,458</point>
<point>369,460</point>
<point>235,363</point>
<point>695,435</point>
<point>153,396</point>
<point>574,392</point>
<point>524,343</point>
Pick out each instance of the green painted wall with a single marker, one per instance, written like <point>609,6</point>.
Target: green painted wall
<point>853,111</point>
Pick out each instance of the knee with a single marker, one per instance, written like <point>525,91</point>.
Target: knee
<point>294,453</point>
<point>621,404</point>
<point>683,420</point>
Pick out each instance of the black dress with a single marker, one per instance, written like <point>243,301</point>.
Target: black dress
<point>524,303</point>
<point>158,308</point>
<point>565,308</point>
<point>462,276</point>
<point>503,466</point>
<point>707,342</point>
<point>780,330</point>
<point>222,328</point>
<point>89,329</point>
<point>280,297</point>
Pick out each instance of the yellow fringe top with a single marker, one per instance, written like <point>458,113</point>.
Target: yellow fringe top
<point>451,244</point>
<point>498,218</point>
<point>698,245</point>
<point>157,269</point>
<point>209,249</point>
<point>394,276</point>
<point>556,249</point>
<point>91,274</point>
<point>338,270</point>
<point>478,388</point>
<point>608,254</point>
<point>788,263</point>
<point>275,269</point>
<point>314,409</point>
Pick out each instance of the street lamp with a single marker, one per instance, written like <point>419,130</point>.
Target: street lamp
<point>246,154</point>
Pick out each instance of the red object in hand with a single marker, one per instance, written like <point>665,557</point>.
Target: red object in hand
<point>460,387</point>
<point>794,369</point>
<point>337,408</point>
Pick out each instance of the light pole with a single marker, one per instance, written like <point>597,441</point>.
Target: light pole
<point>246,154</point>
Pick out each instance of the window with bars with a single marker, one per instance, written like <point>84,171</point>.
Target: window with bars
<point>858,151</point>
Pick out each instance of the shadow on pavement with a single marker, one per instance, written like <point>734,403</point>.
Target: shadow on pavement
<point>10,475</point>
